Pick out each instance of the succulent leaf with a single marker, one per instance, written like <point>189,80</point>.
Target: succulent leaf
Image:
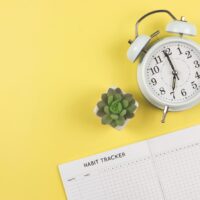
<point>114,117</point>
<point>113,124</point>
<point>110,91</point>
<point>110,99</point>
<point>123,113</point>
<point>128,97</point>
<point>100,113</point>
<point>106,110</point>
<point>120,121</point>
<point>125,103</point>
<point>104,97</point>
<point>129,115</point>
<point>106,119</point>
<point>118,90</point>
<point>118,97</point>
<point>131,108</point>
<point>101,104</point>
<point>132,101</point>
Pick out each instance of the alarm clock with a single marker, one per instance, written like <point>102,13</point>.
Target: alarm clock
<point>169,70</point>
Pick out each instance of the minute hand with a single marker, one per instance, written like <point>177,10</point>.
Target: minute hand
<point>171,64</point>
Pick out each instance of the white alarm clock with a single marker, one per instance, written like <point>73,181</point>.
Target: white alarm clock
<point>169,72</point>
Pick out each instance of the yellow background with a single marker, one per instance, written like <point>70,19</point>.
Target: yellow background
<point>56,58</point>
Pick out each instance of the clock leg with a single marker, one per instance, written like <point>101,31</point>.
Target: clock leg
<point>165,112</point>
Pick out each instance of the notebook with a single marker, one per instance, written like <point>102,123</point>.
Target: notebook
<point>162,168</point>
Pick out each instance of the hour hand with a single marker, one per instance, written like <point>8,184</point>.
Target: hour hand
<point>173,86</point>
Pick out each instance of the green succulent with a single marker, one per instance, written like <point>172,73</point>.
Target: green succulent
<point>115,107</point>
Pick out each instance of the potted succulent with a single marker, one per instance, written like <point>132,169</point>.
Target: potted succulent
<point>116,108</point>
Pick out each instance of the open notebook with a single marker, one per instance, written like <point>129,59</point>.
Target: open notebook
<point>163,168</point>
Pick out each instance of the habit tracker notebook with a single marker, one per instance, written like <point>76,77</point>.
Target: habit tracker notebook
<point>163,168</point>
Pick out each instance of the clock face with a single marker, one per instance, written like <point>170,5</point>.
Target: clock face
<point>172,72</point>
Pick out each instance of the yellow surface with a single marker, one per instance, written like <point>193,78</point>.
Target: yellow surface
<point>56,58</point>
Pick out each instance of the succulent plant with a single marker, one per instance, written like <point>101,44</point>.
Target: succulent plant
<point>115,107</point>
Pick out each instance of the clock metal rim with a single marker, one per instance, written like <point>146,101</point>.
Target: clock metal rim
<point>144,86</point>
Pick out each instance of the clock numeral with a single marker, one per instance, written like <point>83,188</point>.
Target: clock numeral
<point>162,91</point>
<point>173,93</point>
<point>158,60</point>
<point>154,81</point>
<point>180,52</point>
<point>197,75</point>
<point>188,54</point>
<point>154,70</point>
<point>183,92</point>
<point>197,64</point>
<point>194,85</point>
<point>167,51</point>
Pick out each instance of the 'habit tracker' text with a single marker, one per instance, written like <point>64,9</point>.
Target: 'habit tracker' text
<point>104,159</point>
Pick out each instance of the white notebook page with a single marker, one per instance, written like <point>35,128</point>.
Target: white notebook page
<point>163,168</point>
<point>177,160</point>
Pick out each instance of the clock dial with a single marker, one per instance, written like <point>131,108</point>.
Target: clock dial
<point>172,72</point>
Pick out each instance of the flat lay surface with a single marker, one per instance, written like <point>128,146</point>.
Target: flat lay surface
<point>57,58</point>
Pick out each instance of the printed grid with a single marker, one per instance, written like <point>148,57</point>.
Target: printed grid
<point>178,170</point>
<point>134,180</point>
